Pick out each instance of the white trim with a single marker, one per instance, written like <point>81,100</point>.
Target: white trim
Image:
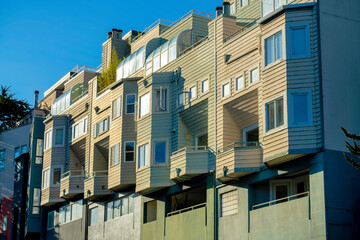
<point>82,132</point>
<point>208,86</point>
<point>291,109</point>
<point>138,155</point>
<point>191,98</point>
<point>283,39</point>
<point>119,155</point>
<point>47,144</point>
<point>150,105</point>
<point>222,89</point>
<point>244,82</point>
<point>126,104</point>
<point>257,66</point>
<point>42,178</point>
<point>289,27</point>
<point>118,107</point>
<point>154,90</point>
<point>134,159</point>
<point>291,184</point>
<point>177,99</point>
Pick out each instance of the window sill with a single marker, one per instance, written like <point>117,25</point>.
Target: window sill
<point>144,116</point>
<point>114,165</point>
<point>112,119</point>
<point>275,130</point>
<point>270,65</point>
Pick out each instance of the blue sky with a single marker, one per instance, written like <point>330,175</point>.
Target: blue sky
<point>40,41</point>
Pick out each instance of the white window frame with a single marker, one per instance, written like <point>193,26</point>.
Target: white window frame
<point>232,8</point>
<point>80,133</point>
<point>283,39</point>
<point>191,97</point>
<point>129,151</point>
<point>222,89</point>
<point>112,161</point>
<point>126,103</point>
<point>166,151</point>
<point>47,220</point>
<point>202,86</point>
<point>54,137</point>
<point>161,89</point>
<point>291,109</point>
<point>183,99</point>
<point>291,184</point>
<point>116,106</point>
<point>46,185</point>
<point>149,108</point>
<point>244,4</point>
<point>236,82</point>
<point>289,28</point>
<point>47,143</point>
<point>276,129</point>
<point>104,130</point>
<point>52,174</point>
<point>33,200</point>
<point>148,155</point>
<point>251,82</point>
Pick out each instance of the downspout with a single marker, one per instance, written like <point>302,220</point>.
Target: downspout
<point>215,124</point>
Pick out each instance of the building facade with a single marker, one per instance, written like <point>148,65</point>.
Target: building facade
<point>217,126</point>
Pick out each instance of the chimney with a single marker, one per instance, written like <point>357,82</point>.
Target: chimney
<point>116,33</point>
<point>226,6</point>
<point>36,99</point>
<point>219,11</point>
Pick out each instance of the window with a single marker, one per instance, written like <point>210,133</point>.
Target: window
<point>130,103</point>
<point>48,139</point>
<point>239,83</point>
<point>143,155</point>
<point>232,8</point>
<point>65,214</point>
<point>101,127</point>
<point>93,216</point>
<point>202,140</point>
<point>180,99</point>
<point>250,135</point>
<point>144,104</point>
<point>161,100</point>
<point>36,201</point>
<point>243,3</point>
<point>4,223</point>
<point>159,151</point>
<point>300,108</point>
<point>270,5</point>
<point>129,152</point>
<point>114,156</point>
<point>274,114</point>
<point>254,75</point>
<point>150,211</point>
<point>45,179</point>
<point>2,158</point>
<point>204,86</point>
<point>192,92</point>
<point>59,136</point>
<point>164,54</point>
<point>273,48</point>
<point>156,60</point>
<point>51,220</point>
<point>282,189</point>
<point>76,210</point>
<point>298,40</point>
<point>79,128</point>
<point>56,176</point>
<point>225,90</point>
<point>39,151</point>
<point>116,108</point>
<point>119,207</point>
<point>229,203</point>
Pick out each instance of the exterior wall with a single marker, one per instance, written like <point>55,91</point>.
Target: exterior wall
<point>120,45</point>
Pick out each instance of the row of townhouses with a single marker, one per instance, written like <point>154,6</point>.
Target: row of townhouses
<point>223,126</point>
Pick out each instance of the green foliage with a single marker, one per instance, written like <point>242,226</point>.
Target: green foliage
<point>11,109</point>
<point>355,150</point>
<point>108,76</point>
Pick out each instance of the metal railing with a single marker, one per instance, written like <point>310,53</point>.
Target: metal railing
<point>238,145</point>
<point>194,148</point>
<point>77,173</point>
<point>173,23</point>
<point>280,200</point>
<point>97,173</point>
<point>149,28</point>
<point>186,209</point>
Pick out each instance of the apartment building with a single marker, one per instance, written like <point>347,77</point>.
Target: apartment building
<point>217,126</point>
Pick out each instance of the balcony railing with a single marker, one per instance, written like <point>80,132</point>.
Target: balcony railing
<point>238,145</point>
<point>280,200</point>
<point>268,6</point>
<point>194,148</point>
<point>73,173</point>
<point>186,209</point>
<point>97,173</point>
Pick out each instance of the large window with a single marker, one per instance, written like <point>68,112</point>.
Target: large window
<point>45,179</point>
<point>229,203</point>
<point>130,103</point>
<point>51,220</point>
<point>39,151</point>
<point>119,207</point>
<point>2,158</point>
<point>19,150</point>
<point>243,3</point>
<point>114,156</point>
<point>59,136</point>
<point>274,114</point>
<point>273,48</point>
<point>160,152</point>
<point>48,139</point>
<point>232,8</point>
<point>298,40</point>
<point>129,153</point>
<point>270,5</point>
<point>225,90</point>
<point>144,104</point>
<point>116,108</point>
<point>300,108</point>
<point>56,176</point>
<point>80,128</point>
<point>101,127</point>
<point>93,216</point>
<point>36,201</point>
<point>70,212</point>
<point>143,155</point>
<point>160,104</point>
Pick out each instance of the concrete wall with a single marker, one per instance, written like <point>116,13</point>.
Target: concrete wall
<point>340,61</point>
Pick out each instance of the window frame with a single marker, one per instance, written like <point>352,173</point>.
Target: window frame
<point>117,108</point>
<point>150,105</point>
<point>112,202</point>
<point>148,155</point>
<point>42,151</point>
<point>222,89</point>
<point>90,223</point>
<point>283,45</point>
<point>43,186</point>
<point>289,40</point>
<point>52,174</point>
<point>80,133</point>
<point>47,222</point>
<point>96,127</point>
<point>191,97</point>
<point>3,160</point>
<point>166,151</point>
<point>245,4</point>
<point>167,103</point>
<point>258,75</point>
<point>134,158</point>
<point>183,99</point>
<point>112,161</point>
<point>291,110</point>
<point>247,129</point>
<point>285,115</point>
<point>47,144</point>
<point>202,86</point>
<point>54,137</point>
<point>126,103</point>
<point>33,201</point>
<point>236,82</point>
<point>232,11</point>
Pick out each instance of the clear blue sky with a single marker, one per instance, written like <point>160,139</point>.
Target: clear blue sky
<point>40,41</point>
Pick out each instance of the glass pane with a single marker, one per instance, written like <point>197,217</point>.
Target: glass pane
<point>269,50</point>
<point>164,58</point>
<point>298,41</point>
<point>156,63</point>
<point>192,92</point>
<point>38,160</point>
<point>202,140</point>
<point>144,104</point>
<point>57,175</point>
<point>93,216</point>
<point>141,157</point>
<point>205,86</point>
<point>226,90</point>
<point>254,75</point>
<point>36,197</point>
<point>281,192</point>
<point>278,46</point>
<point>172,52</point>
<point>116,157</point>
<point>129,157</point>
<point>129,146</point>
<point>132,63</point>
<point>17,152</point>
<point>300,107</point>
<point>67,213</point>
<point>300,187</point>
<point>239,83</point>
<point>140,58</point>
<point>109,210</point>
<point>124,206</point>
<point>270,116</point>
<point>146,154</point>
<point>160,152</point>
<point>279,112</point>
<point>59,133</point>
<point>267,7</point>
<point>279,3</point>
<point>181,99</point>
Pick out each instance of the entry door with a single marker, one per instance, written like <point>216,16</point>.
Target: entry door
<point>279,191</point>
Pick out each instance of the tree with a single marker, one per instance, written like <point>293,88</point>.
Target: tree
<point>108,76</point>
<point>355,150</point>
<point>11,109</point>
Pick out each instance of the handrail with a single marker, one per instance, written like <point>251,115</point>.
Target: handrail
<point>238,145</point>
<point>73,173</point>
<point>295,196</point>
<point>97,173</point>
<point>173,23</point>
<point>184,149</point>
<point>186,209</point>
<point>242,29</point>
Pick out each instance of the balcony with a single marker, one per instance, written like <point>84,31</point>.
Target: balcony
<point>72,184</point>
<point>96,185</point>
<point>189,162</point>
<point>238,159</point>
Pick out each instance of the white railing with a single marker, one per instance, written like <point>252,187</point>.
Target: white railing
<point>192,148</point>
<point>97,173</point>
<point>77,173</point>
<point>238,145</point>
<point>280,200</point>
<point>186,209</point>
